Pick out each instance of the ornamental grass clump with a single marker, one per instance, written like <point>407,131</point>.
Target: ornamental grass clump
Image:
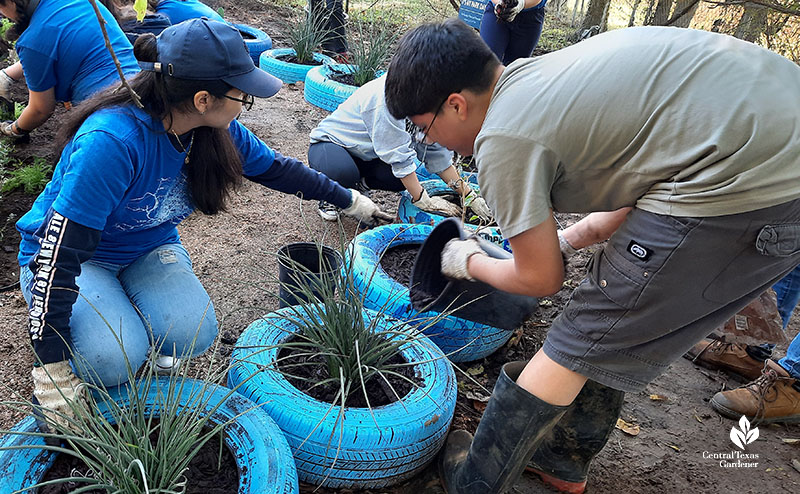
<point>308,33</point>
<point>370,49</point>
<point>142,443</point>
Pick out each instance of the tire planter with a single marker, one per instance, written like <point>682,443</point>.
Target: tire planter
<point>408,436</point>
<point>322,91</point>
<point>261,451</point>
<point>408,213</point>
<point>423,174</point>
<point>288,72</point>
<point>256,40</point>
<point>461,340</point>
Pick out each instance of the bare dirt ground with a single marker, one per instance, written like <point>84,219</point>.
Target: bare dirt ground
<point>234,254</point>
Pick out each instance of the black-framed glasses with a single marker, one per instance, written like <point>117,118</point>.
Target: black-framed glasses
<point>417,134</point>
<point>246,101</point>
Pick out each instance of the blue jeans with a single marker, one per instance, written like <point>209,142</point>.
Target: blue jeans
<point>788,291</point>
<point>512,40</point>
<point>156,300</point>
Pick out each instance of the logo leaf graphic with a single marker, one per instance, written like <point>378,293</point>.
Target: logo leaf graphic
<point>751,436</point>
<point>737,437</point>
<point>745,436</point>
<point>744,424</point>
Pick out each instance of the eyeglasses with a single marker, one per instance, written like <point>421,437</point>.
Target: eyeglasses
<point>246,101</point>
<point>418,135</point>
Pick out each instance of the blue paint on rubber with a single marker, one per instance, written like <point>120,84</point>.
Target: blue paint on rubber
<point>461,340</point>
<point>322,91</point>
<point>256,40</point>
<point>288,72</point>
<point>407,436</point>
<point>261,452</point>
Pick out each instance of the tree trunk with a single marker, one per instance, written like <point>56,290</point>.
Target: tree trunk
<point>649,13</point>
<point>574,13</point>
<point>594,14</point>
<point>753,22</point>
<point>685,19</point>
<point>632,20</point>
<point>661,15</point>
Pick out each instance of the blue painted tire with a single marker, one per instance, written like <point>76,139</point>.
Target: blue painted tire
<point>288,72</point>
<point>322,91</point>
<point>423,174</point>
<point>256,40</point>
<point>409,433</point>
<point>408,213</point>
<point>461,340</point>
<point>261,452</point>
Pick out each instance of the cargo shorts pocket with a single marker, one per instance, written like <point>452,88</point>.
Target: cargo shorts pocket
<point>779,240</point>
<point>621,281</point>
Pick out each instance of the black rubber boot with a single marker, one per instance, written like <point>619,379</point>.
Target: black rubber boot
<point>513,425</point>
<point>562,459</point>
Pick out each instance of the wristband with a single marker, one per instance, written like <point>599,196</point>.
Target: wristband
<point>19,130</point>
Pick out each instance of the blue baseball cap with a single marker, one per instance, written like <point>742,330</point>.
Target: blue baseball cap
<point>205,50</point>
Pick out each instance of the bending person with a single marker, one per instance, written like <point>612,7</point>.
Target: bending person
<point>101,260</point>
<point>63,56</point>
<point>361,145</point>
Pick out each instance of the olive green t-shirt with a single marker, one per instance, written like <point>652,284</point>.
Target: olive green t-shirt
<point>673,121</point>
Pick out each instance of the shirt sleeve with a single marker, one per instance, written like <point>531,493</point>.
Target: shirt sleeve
<point>516,175</point>
<point>256,156</point>
<point>39,69</point>
<point>435,156</point>
<point>391,142</point>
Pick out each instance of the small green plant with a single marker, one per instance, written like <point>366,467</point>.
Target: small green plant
<point>221,11</point>
<point>18,109</point>
<point>32,178</point>
<point>307,34</point>
<point>5,25</point>
<point>9,111</point>
<point>370,49</point>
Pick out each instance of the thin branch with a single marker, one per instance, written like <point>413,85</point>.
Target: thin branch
<point>770,5</point>
<point>102,21</point>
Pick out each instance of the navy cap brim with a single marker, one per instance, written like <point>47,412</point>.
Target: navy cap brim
<point>256,82</point>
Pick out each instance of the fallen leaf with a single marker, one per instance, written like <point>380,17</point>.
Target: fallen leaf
<point>628,428</point>
<point>478,405</point>
<point>515,339</point>
<point>658,397</point>
<point>545,302</point>
<point>477,396</point>
<point>475,371</point>
<point>787,440</point>
<point>796,464</point>
<point>698,418</point>
<point>674,447</point>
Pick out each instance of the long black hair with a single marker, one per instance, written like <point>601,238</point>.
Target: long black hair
<point>214,167</point>
<point>23,18</point>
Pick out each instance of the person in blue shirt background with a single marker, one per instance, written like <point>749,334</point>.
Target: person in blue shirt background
<point>512,28</point>
<point>181,10</point>
<point>63,55</point>
<point>101,260</point>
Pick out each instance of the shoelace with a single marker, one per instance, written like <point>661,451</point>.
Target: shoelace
<point>760,387</point>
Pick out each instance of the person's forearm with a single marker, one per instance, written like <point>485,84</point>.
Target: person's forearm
<point>503,274</point>
<point>412,185</point>
<point>40,107</point>
<point>14,71</point>
<point>451,176</point>
<point>595,227</point>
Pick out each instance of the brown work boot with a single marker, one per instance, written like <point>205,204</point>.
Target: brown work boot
<point>729,357</point>
<point>773,397</point>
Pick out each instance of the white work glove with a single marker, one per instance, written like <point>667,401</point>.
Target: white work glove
<point>507,10</point>
<point>455,255</point>
<point>567,250</point>
<point>478,206</point>
<point>437,205</point>
<point>364,210</point>
<point>58,393</point>
<point>5,84</point>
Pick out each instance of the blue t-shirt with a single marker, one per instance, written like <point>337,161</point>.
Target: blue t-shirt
<point>63,48</point>
<point>121,175</point>
<point>179,11</point>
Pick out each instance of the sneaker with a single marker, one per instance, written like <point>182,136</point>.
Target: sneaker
<point>328,211</point>
<point>166,365</point>
<point>773,397</point>
<point>729,357</point>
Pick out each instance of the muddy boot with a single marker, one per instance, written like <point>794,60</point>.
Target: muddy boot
<point>732,358</point>
<point>511,428</point>
<point>562,460</point>
<point>773,397</point>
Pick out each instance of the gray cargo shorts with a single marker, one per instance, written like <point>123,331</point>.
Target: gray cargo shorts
<point>662,283</point>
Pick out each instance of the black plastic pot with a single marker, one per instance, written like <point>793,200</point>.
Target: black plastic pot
<point>306,264</point>
<point>471,300</point>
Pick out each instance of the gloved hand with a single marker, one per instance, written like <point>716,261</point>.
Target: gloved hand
<point>56,392</point>
<point>9,129</point>
<point>5,84</point>
<point>363,209</point>
<point>567,250</point>
<point>438,205</point>
<point>455,255</point>
<point>507,10</point>
<point>478,206</point>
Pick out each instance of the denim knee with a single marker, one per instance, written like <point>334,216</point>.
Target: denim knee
<point>188,336</point>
